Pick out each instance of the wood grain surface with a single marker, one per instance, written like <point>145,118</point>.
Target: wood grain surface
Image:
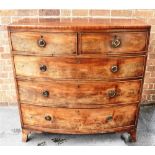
<point>130,42</point>
<point>86,78</point>
<point>56,43</point>
<point>79,120</point>
<point>79,68</point>
<point>75,24</point>
<point>74,94</point>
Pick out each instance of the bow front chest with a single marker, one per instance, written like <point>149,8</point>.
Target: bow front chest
<point>79,77</point>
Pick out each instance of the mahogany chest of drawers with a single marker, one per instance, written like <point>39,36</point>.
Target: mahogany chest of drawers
<point>77,77</point>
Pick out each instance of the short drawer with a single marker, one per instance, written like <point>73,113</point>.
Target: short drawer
<point>119,42</point>
<point>82,94</point>
<point>78,120</point>
<point>44,43</point>
<point>79,68</point>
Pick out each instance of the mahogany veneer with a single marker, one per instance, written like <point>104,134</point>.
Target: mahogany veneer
<point>79,77</point>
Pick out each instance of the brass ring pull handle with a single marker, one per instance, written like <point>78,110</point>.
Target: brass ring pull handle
<point>45,93</point>
<point>41,42</point>
<point>114,68</point>
<point>109,118</point>
<point>48,118</point>
<point>43,68</point>
<point>116,42</point>
<point>112,93</point>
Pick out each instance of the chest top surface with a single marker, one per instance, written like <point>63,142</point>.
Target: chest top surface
<point>79,24</point>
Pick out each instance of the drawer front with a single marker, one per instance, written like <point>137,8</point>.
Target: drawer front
<point>121,42</point>
<point>78,120</point>
<point>74,94</point>
<point>44,43</point>
<point>79,68</point>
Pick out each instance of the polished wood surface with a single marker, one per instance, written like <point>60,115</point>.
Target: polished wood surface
<point>130,42</point>
<point>79,76</point>
<point>79,24</point>
<point>56,43</point>
<point>71,94</point>
<point>78,68</point>
<point>79,120</point>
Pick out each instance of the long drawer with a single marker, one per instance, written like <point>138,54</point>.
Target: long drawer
<point>80,68</point>
<point>73,94</point>
<point>44,43</point>
<point>78,120</point>
<point>116,42</point>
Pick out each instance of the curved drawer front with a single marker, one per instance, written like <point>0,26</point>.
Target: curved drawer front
<point>74,94</point>
<point>44,43</point>
<point>121,42</point>
<point>78,120</point>
<point>79,68</point>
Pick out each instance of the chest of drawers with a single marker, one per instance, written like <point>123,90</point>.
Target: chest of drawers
<point>79,77</point>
